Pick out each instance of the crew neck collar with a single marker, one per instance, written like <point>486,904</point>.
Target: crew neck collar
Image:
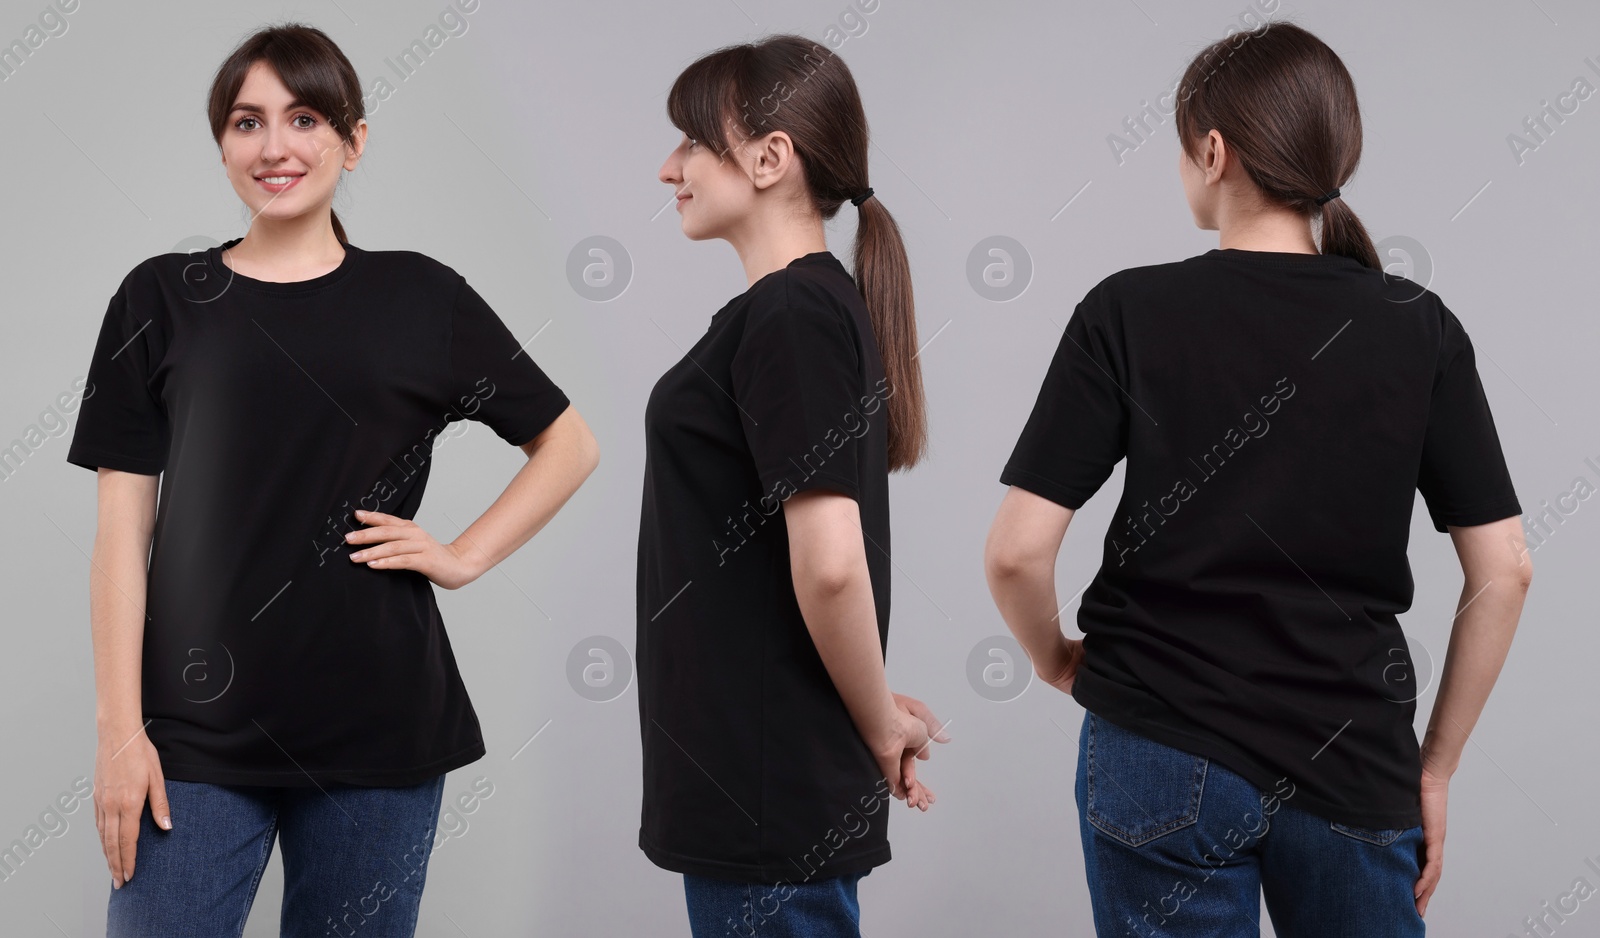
<point>1277,258</point>
<point>228,275</point>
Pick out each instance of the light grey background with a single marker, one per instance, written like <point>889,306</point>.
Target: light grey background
<point>543,124</point>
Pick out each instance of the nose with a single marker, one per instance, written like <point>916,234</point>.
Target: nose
<point>672,170</point>
<point>274,147</point>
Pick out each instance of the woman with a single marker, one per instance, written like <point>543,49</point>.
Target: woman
<point>281,668</point>
<point>1247,686</point>
<point>772,743</point>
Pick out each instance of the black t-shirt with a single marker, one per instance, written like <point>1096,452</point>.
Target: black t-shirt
<point>753,769</point>
<point>273,411</point>
<point>1278,412</point>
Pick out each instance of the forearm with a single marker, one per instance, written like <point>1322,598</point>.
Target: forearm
<point>1479,643</point>
<point>1026,597</point>
<point>117,579</point>
<point>556,467</point>
<point>843,621</point>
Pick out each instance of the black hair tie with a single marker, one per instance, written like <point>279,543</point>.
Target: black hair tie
<point>861,198</point>
<point>1334,194</point>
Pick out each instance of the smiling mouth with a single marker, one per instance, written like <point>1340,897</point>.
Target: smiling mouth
<point>278,183</point>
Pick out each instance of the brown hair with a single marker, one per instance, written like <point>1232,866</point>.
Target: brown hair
<point>790,83</point>
<point>1286,106</point>
<point>309,65</point>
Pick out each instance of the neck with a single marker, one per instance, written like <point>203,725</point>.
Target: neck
<point>1256,229</point>
<point>766,245</point>
<point>306,241</point>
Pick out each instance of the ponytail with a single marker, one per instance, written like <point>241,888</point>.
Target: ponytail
<point>883,274</point>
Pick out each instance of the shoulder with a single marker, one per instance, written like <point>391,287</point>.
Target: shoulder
<point>812,294</point>
<point>413,269</point>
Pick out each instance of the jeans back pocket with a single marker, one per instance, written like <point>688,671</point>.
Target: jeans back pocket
<point>1139,789</point>
<point>1382,838</point>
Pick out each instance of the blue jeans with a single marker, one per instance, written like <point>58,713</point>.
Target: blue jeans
<point>354,860</point>
<point>1178,845</point>
<point>818,908</point>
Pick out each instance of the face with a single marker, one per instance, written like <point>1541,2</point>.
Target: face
<point>1200,177</point>
<point>283,157</point>
<point>714,192</point>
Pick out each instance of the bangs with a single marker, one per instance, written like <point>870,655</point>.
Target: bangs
<point>310,66</point>
<point>703,98</point>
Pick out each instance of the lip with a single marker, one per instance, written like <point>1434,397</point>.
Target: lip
<point>275,188</point>
<point>683,198</point>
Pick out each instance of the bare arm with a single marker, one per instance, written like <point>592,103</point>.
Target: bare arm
<point>1019,561</point>
<point>127,769</point>
<point>833,587</point>
<point>559,460</point>
<point>1495,584</point>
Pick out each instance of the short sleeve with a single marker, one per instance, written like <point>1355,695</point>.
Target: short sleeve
<point>121,423</point>
<point>1463,476</point>
<point>796,379</point>
<point>1078,430</point>
<point>493,379</point>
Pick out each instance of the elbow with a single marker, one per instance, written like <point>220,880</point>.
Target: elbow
<point>1005,565</point>
<point>823,580</point>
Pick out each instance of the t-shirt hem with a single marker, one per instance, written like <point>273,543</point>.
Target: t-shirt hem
<point>93,460</point>
<point>538,426</point>
<point>1495,511</point>
<point>414,775</point>
<point>1062,495</point>
<point>1234,759</point>
<point>822,478</point>
<point>761,873</point>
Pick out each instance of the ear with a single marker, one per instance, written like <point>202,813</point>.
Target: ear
<point>774,159</point>
<point>356,146</point>
<point>1214,156</point>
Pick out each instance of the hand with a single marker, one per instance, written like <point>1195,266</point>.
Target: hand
<point>897,754</point>
<point>1435,792</point>
<point>127,771</point>
<point>401,544</point>
<point>918,794</point>
<point>1058,665</point>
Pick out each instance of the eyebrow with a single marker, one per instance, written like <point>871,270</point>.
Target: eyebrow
<point>258,109</point>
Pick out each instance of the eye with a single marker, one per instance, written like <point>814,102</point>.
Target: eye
<point>241,122</point>
<point>310,121</point>
<point>692,142</point>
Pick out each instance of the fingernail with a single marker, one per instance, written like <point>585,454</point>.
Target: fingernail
<point>116,883</point>
<point>166,822</point>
